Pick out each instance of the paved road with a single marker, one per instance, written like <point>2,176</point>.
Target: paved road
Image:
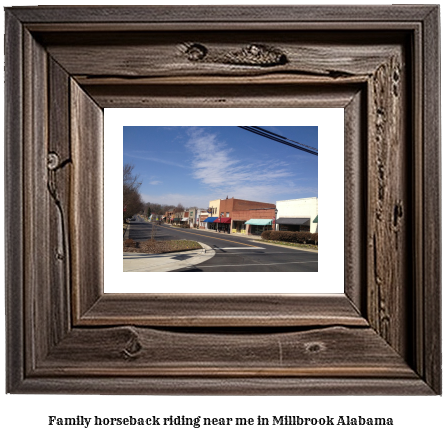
<point>233,254</point>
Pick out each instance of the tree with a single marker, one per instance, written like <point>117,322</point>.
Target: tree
<point>132,202</point>
<point>179,208</point>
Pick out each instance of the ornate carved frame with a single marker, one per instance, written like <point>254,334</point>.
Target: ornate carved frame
<point>64,65</point>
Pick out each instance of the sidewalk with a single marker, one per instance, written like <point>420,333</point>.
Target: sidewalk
<point>140,262</point>
<point>248,236</point>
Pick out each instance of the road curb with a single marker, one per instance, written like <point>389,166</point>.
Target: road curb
<point>206,248</point>
<point>289,247</point>
<point>259,241</point>
<point>145,262</point>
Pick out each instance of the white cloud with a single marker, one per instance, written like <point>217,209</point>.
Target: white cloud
<point>215,167</point>
<point>220,173</point>
<point>155,183</point>
<point>175,198</point>
<point>158,160</point>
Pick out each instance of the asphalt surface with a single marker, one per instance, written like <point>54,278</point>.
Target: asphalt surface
<point>232,253</point>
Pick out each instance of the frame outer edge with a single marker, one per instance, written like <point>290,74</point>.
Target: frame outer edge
<point>431,314</point>
<point>14,202</point>
<point>221,13</point>
<point>432,202</point>
<point>229,386</point>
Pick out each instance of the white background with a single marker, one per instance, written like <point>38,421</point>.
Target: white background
<point>23,415</point>
<point>330,122</point>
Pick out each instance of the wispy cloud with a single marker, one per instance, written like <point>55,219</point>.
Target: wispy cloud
<point>214,165</point>
<point>155,183</point>
<point>158,160</point>
<point>269,193</point>
<point>187,200</point>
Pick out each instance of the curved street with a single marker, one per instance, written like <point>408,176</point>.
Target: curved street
<point>232,253</point>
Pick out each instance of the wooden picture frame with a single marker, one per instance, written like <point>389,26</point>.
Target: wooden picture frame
<point>65,64</point>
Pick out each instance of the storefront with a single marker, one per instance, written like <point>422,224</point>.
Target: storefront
<point>209,223</point>
<point>297,214</point>
<point>184,221</point>
<point>238,227</point>
<point>294,224</point>
<point>257,226</point>
<point>223,224</point>
<point>176,221</point>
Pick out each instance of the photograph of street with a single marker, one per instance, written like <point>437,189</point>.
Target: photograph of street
<point>220,199</point>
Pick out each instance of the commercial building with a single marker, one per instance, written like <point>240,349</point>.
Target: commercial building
<point>178,216</point>
<point>231,215</point>
<point>214,207</point>
<point>298,215</point>
<point>202,214</point>
<point>229,205</point>
<point>253,221</point>
<point>239,211</point>
<point>185,218</point>
<point>192,216</point>
<point>213,214</point>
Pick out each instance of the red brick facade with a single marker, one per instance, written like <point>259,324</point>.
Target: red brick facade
<point>245,215</point>
<point>232,205</point>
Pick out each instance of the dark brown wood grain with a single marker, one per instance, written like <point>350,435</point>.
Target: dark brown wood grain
<point>430,318</point>
<point>86,227</point>
<point>227,96</point>
<point>355,183</point>
<point>129,351</point>
<point>37,207</point>
<point>14,264</point>
<point>388,202</point>
<point>108,56</point>
<point>235,310</point>
<point>59,168</point>
<point>64,65</point>
<point>353,16</point>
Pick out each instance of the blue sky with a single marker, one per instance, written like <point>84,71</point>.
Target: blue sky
<point>194,165</point>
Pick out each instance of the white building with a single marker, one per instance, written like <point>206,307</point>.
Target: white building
<point>297,215</point>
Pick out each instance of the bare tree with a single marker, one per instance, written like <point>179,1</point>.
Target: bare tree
<point>130,181</point>
<point>153,231</point>
<point>179,208</point>
<point>132,202</point>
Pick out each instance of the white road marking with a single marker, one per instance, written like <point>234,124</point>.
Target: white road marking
<point>258,253</point>
<point>255,264</point>
<point>255,247</point>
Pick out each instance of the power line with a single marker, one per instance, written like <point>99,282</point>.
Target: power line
<point>280,139</point>
<point>297,142</point>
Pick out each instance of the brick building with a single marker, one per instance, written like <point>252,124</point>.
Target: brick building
<point>168,216</point>
<point>232,215</point>
<point>253,221</point>
<point>228,205</point>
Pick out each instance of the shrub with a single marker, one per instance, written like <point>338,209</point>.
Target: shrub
<point>304,237</point>
<point>265,235</point>
<point>314,238</point>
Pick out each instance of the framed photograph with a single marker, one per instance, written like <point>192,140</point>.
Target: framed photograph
<point>240,170</point>
<point>172,170</point>
<point>65,65</point>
